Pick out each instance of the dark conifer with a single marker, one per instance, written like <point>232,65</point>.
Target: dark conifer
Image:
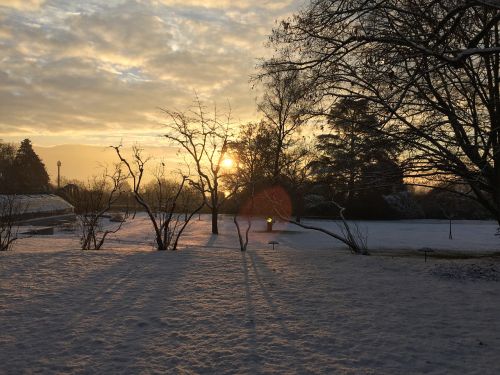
<point>29,175</point>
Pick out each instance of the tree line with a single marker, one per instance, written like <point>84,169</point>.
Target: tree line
<point>430,71</point>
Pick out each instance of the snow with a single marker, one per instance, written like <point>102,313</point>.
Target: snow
<point>40,203</point>
<point>307,307</point>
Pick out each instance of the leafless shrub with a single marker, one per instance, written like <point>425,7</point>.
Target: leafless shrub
<point>10,208</point>
<point>162,201</point>
<point>356,239</point>
<point>247,212</point>
<point>350,234</point>
<point>92,202</point>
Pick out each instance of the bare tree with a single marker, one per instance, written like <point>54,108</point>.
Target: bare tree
<point>285,106</point>
<point>252,161</point>
<point>249,151</point>
<point>205,138</point>
<point>430,69</point>
<point>92,202</point>
<point>161,205</point>
<point>243,239</point>
<point>297,172</point>
<point>254,151</point>
<point>10,209</point>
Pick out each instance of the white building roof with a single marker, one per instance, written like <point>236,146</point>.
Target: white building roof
<point>40,203</point>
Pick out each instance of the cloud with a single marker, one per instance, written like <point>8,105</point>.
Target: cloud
<point>22,4</point>
<point>79,69</point>
<point>222,4</point>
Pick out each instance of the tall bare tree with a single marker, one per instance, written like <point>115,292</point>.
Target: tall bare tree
<point>285,109</point>
<point>430,69</point>
<point>254,150</point>
<point>204,138</point>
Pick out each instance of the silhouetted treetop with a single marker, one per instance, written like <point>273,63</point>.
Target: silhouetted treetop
<point>28,175</point>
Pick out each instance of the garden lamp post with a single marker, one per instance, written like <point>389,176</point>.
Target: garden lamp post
<point>269,224</point>
<point>59,174</point>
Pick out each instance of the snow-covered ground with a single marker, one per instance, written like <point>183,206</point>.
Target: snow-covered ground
<point>399,236</point>
<point>307,307</point>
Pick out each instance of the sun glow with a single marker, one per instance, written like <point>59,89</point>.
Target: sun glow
<point>227,163</point>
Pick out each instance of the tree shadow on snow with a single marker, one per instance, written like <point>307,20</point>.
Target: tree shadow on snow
<point>98,320</point>
<point>269,300</point>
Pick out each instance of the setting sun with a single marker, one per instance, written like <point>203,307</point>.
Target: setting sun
<point>227,163</point>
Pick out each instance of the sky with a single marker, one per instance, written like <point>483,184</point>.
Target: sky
<point>95,72</point>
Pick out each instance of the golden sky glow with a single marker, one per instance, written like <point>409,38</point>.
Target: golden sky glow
<point>95,72</point>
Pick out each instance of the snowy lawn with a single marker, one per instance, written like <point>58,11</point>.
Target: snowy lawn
<point>307,307</point>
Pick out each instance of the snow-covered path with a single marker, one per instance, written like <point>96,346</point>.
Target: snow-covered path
<point>215,310</point>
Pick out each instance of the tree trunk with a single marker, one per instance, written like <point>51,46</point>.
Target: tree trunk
<point>497,203</point>
<point>496,181</point>
<point>277,156</point>
<point>215,214</point>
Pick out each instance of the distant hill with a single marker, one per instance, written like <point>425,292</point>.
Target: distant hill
<point>82,161</point>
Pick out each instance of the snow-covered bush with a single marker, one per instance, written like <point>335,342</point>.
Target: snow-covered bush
<point>403,204</point>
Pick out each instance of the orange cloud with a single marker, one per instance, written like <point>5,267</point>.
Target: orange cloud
<point>77,69</point>
<point>269,4</point>
<point>22,4</point>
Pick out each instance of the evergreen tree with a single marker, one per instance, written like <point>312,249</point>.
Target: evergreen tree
<point>29,174</point>
<point>355,160</point>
